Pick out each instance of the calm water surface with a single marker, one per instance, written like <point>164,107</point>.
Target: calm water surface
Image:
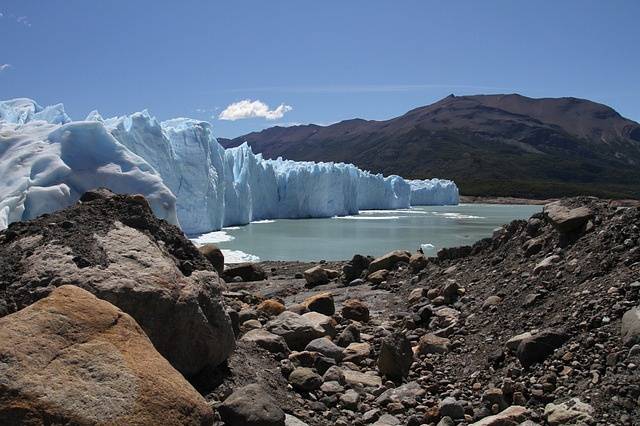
<point>373,232</point>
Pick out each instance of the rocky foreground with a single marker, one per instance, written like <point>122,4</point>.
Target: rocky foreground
<point>110,316</point>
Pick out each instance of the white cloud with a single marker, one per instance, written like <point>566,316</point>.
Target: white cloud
<point>4,67</point>
<point>23,20</point>
<point>253,109</point>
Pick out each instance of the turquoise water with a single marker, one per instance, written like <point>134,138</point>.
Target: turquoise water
<point>373,232</point>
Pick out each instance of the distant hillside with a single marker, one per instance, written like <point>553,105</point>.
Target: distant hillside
<point>501,145</point>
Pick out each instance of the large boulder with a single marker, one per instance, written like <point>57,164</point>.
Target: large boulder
<point>251,406</point>
<point>389,260</point>
<point>72,358</point>
<point>295,329</point>
<point>115,248</point>
<point>566,219</point>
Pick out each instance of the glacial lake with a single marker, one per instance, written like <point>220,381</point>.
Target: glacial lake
<point>372,232</point>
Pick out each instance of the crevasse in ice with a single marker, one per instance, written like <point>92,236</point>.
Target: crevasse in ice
<point>47,161</point>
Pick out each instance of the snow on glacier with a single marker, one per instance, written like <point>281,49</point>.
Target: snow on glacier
<point>178,164</point>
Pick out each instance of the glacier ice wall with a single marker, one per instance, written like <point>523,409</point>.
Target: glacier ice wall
<point>46,165</point>
<point>180,167</point>
<point>433,192</point>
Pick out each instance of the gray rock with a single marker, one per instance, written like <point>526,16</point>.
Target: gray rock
<point>305,379</point>
<point>334,374</point>
<point>266,340</point>
<point>396,356</point>
<point>408,391</point>
<point>290,420</point>
<point>326,323</point>
<point>325,347</point>
<point>631,327</point>
<point>296,330</point>
<point>350,399</point>
<point>451,408</point>
<point>572,412</point>
<point>316,276</point>
<point>387,420</point>
<point>251,406</point>
<point>565,219</point>
<point>510,416</point>
<point>351,334</point>
<point>446,421</point>
<point>546,264</point>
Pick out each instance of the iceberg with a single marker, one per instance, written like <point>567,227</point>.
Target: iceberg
<point>47,161</point>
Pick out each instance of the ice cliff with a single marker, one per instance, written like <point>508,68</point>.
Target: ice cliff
<point>432,192</point>
<point>47,161</point>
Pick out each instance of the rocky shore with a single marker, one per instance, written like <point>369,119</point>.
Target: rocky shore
<point>110,316</point>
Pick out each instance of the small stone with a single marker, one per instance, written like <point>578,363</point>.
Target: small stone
<point>271,307</point>
<point>251,405</point>
<point>326,347</point>
<point>396,356</point>
<point>451,408</point>
<point>305,379</point>
<point>322,302</point>
<point>432,344</point>
<point>356,352</point>
<point>356,310</point>
<point>316,276</point>
<point>350,399</point>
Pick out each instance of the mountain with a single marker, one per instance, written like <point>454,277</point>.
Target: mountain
<point>501,145</point>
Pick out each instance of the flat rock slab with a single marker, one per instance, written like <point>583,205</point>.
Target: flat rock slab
<point>565,219</point>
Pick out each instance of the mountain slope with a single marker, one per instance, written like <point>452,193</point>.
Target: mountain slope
<point>504,145</point>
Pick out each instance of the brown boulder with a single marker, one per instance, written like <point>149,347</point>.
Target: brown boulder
<point>72,358</point>
<point>214,255</point>
<point>389,260</point>
<point>356,310</point>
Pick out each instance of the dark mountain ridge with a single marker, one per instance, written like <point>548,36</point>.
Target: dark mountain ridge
<point>499,145</point>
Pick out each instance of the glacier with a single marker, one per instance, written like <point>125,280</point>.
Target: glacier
<point>433,192</point>
<point>47,161</point>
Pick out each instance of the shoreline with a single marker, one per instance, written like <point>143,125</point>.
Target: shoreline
<point>472,199</point>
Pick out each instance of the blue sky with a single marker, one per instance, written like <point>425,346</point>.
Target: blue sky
<point>320,62</point>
